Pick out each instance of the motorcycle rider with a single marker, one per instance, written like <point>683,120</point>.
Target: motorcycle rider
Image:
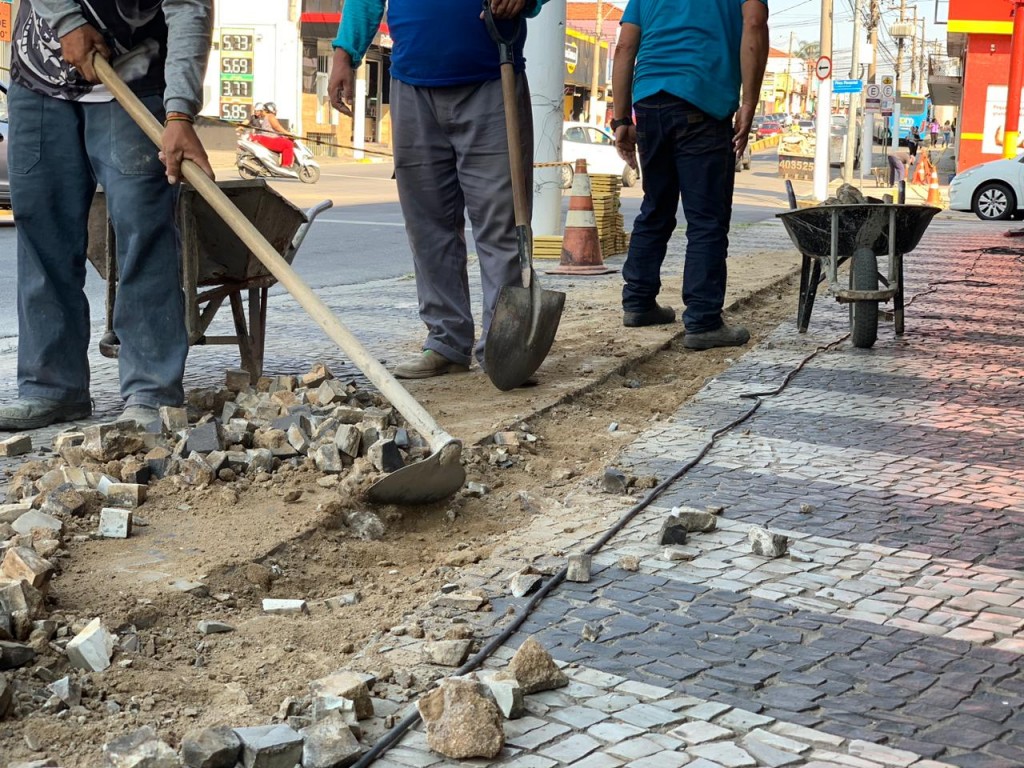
<point>267,130</point>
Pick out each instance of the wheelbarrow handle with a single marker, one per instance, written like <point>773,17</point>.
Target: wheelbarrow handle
<point>414,413</point>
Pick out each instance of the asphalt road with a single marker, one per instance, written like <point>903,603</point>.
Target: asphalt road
<point>362,238</point>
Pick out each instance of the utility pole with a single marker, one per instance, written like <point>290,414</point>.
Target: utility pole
<point>789,71</point>
<point>595,75</point>
<point>851,116</point>
<point>867,144</point>
<point>899,77</point>
<point>823,108</point>
<point>545,68</point>
<point>913,55</point>
<point>1011,128</point>
<point>873,39</point>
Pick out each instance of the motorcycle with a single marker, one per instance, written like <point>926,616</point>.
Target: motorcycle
<point>254,160</point>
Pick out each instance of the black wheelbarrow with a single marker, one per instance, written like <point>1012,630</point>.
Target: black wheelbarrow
<point>860,233</point>
<point>216,267</point>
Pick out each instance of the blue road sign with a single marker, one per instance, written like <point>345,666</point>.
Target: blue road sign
<point>847,86</point>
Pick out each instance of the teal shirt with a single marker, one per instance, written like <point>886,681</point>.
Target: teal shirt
<point>690,49</point>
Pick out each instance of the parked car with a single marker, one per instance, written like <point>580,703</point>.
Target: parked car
<point>805,126</point>
<point>994,191</point>
<point>597,147</point>
<point>768,128</point>
<point>5,177</point>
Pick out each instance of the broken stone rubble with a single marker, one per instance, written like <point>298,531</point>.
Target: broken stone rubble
<point>246,430</point>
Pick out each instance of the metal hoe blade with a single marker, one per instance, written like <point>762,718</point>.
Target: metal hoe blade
<point>522,331</point>
<point>436,477</point>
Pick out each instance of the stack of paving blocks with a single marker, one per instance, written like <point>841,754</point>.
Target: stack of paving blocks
<point>605,190</point>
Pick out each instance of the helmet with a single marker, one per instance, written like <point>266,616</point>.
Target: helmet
<point>270,107</point>
<point>258,107</point>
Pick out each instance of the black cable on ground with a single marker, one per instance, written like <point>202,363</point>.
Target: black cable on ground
<point>399,729</point>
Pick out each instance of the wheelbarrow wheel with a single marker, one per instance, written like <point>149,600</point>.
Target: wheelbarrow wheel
<point>864,314</point>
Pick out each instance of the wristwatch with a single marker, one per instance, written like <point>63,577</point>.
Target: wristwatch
<point>617,123</point>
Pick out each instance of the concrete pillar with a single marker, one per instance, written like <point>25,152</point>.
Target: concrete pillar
<point>545,68</point>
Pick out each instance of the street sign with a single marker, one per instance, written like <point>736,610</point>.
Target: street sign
<point>873,98</point>
<point>847,86</point>
<point>823,68</point>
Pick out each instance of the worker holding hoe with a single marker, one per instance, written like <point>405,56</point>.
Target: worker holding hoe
<point>66,135</point>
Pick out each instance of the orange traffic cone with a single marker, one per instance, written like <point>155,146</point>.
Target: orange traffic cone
<point>934,197</point>
<point>581,244</point>
<point>921,169</point>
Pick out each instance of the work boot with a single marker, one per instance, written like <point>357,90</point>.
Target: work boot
<point>659,315</point>
<point>723,336</point>
<point>37,412</point>
<point>427,365</point>
<point>142,415</point>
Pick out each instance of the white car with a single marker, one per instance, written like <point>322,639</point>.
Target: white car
<point>993,190</point>
<point>597,147</point>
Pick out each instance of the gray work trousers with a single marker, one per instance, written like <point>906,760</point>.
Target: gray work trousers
<point>451,156</point>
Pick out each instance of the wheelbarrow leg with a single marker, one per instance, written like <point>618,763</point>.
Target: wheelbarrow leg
<point>257,329</point>
<point>245,346</point>
<point>808,291</point>
<point>805,276</point>
<point>897,300</point>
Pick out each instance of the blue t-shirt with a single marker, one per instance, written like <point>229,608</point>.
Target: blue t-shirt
<point>691,49</point>
<point>435,43</point>
<point>444,42</point>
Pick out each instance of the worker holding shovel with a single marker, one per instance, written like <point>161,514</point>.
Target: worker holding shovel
<point>67,134</point>
<point>451,155</point>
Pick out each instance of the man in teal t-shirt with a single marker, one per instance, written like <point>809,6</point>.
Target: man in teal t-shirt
<point>679,66</point>
<point>451,155</point>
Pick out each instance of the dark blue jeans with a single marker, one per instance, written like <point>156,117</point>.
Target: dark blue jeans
<point>684,154</point>
<point>58,152</point>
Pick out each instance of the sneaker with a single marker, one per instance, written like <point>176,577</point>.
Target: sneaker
<point>427,365</point>
<point>723,336</point>
<point>659,315</point>
<point>36,412</point>
<point>142,415</point>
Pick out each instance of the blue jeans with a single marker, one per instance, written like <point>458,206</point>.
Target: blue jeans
<point>684,154</point>
<point>58,152</point>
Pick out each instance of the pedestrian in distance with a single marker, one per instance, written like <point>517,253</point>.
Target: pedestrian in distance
<point>947,134</point>
<point>899,161</point>
<point>933,130</point>
<point>914,140</point>
<point>450,154</point>
<point>66,135</point>
<point>679,65</point>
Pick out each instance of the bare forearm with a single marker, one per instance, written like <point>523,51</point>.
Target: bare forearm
<point>622,69</point>
<point>753,58</point>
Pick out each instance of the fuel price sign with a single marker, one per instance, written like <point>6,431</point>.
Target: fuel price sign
<point>236,74</point>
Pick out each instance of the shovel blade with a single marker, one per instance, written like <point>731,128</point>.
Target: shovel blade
<point>435,478</point>
<point>522,331</point>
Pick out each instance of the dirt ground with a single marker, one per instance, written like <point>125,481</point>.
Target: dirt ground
<point>244,541</point>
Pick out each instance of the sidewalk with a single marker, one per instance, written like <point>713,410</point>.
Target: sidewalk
<point>892,633</point>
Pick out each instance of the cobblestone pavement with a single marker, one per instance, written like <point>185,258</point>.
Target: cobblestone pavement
<point>892,633</point>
